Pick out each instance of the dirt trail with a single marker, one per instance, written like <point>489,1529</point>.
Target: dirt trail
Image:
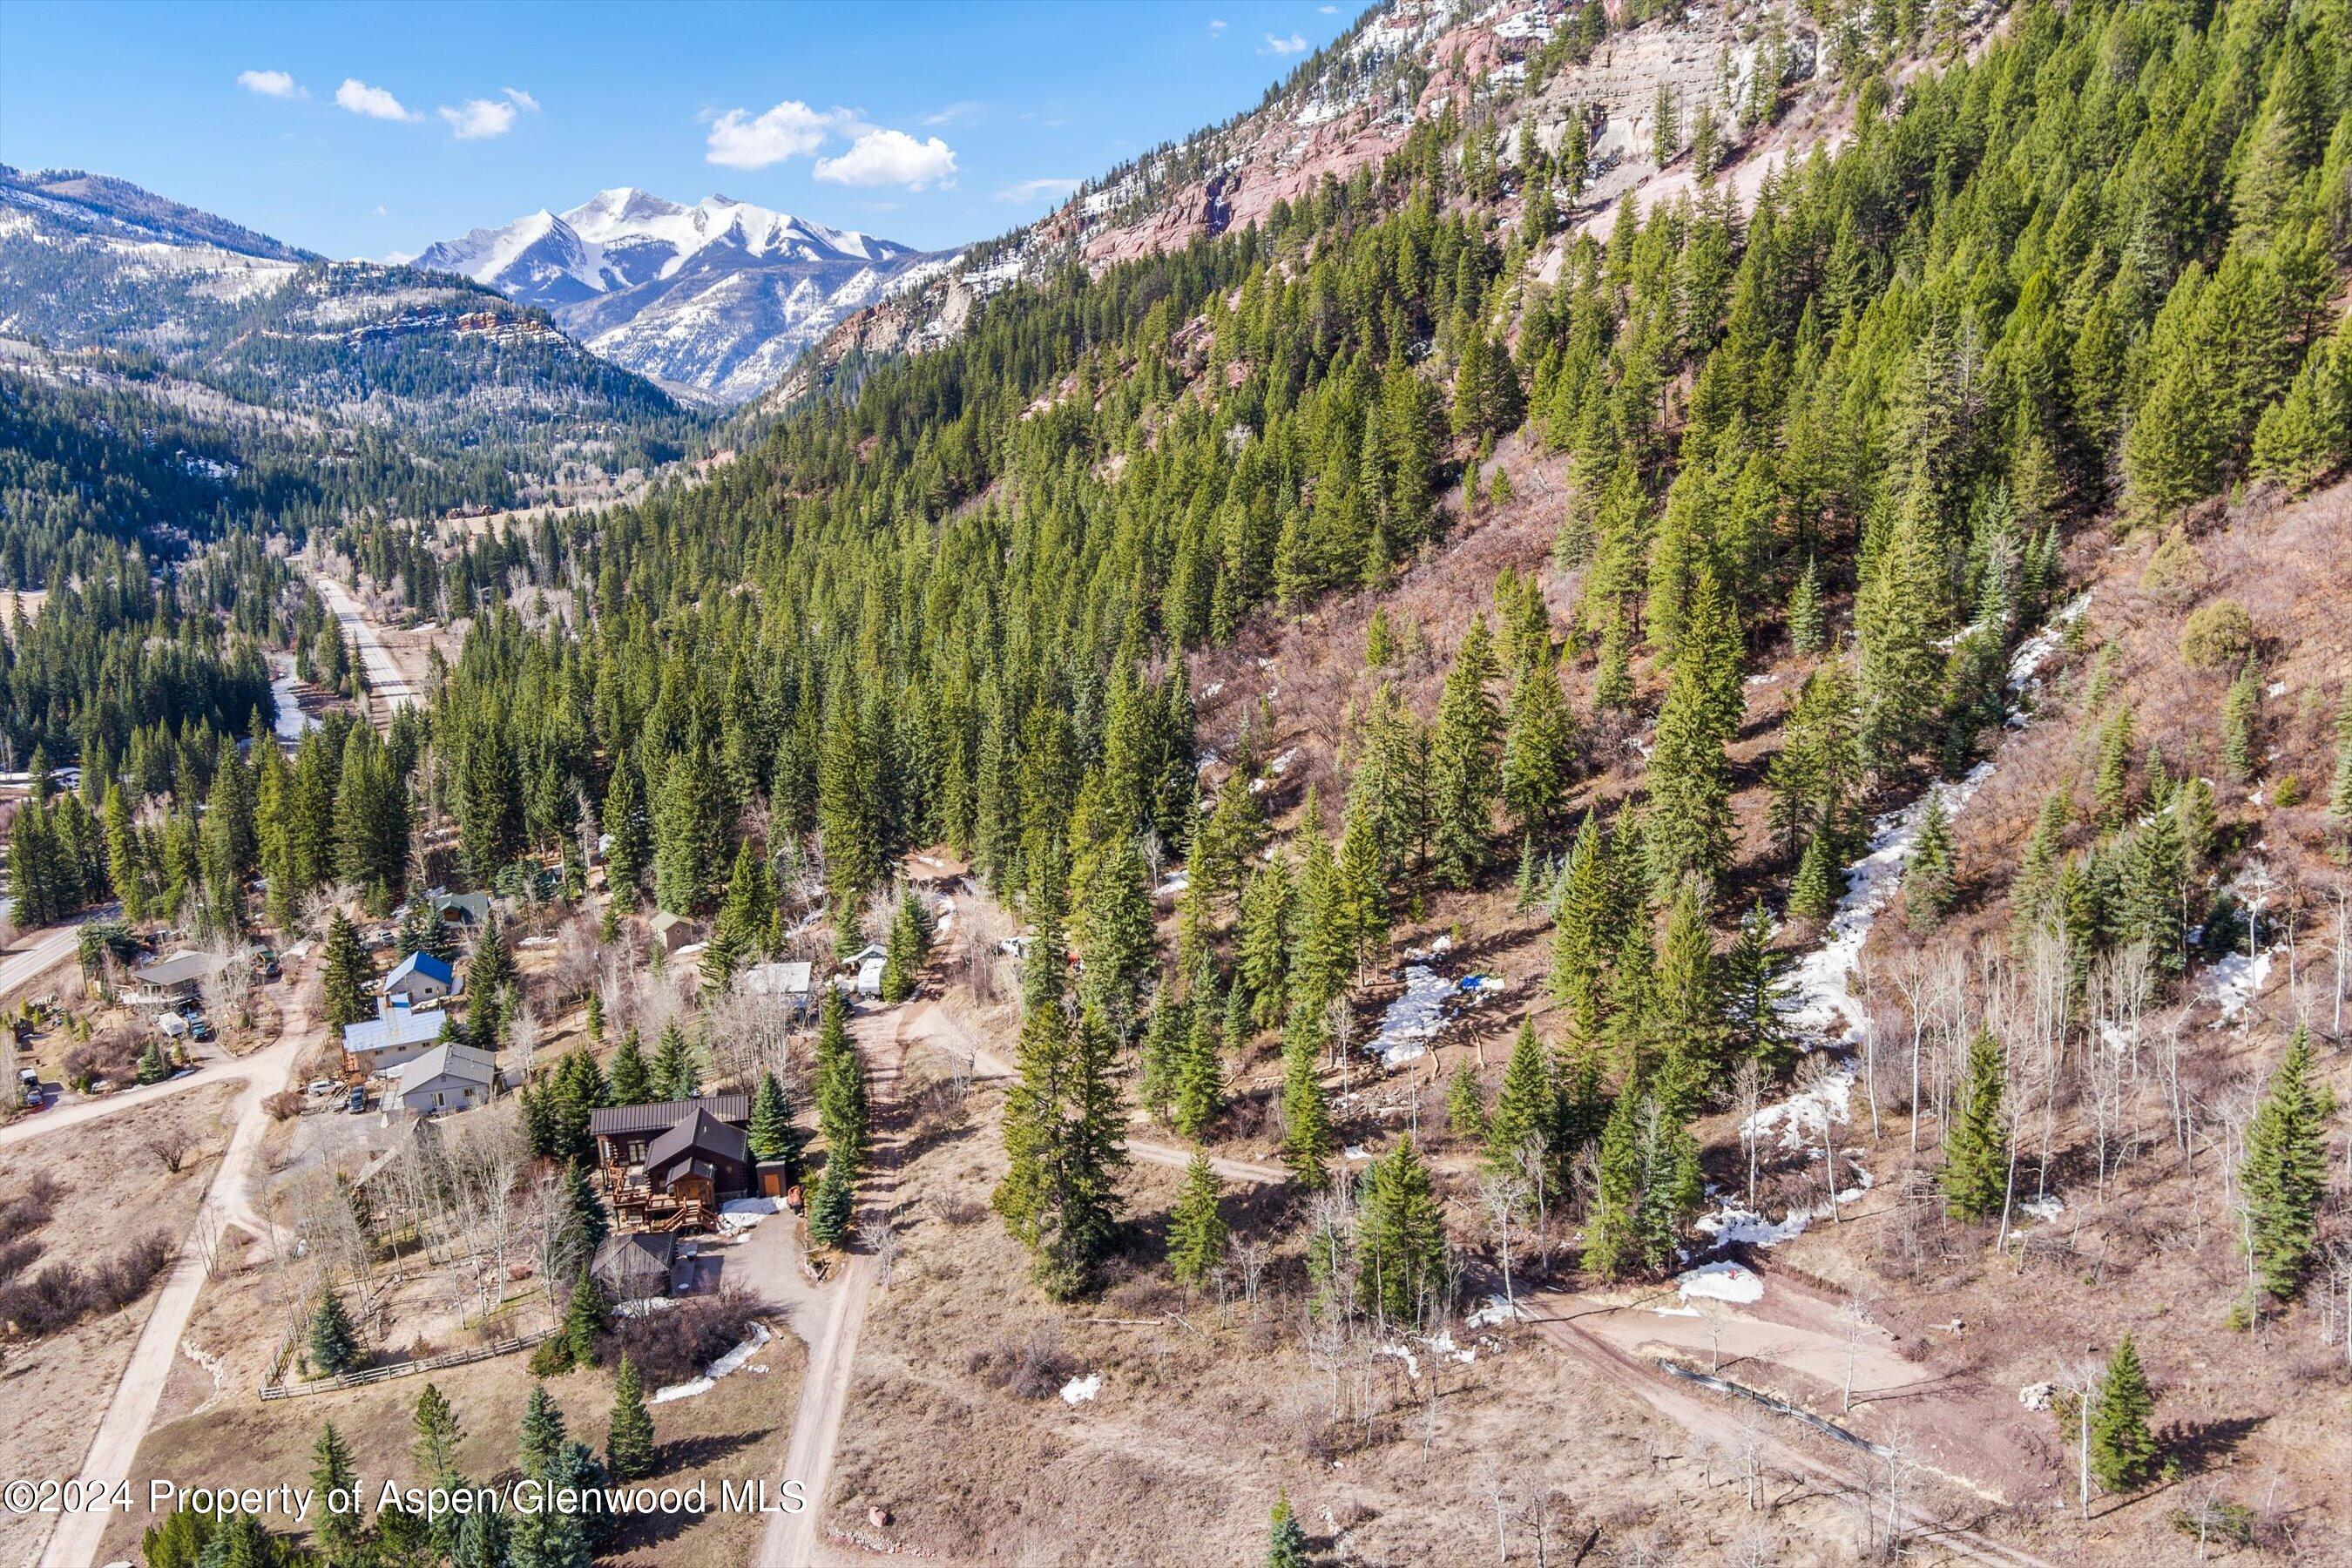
<point>209,1070</point>
<point>1575,1325</point>
<point>938,1025</point>
<point>228,1201</point>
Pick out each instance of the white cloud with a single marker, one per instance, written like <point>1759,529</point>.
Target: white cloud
<point>791,130</point>
<point>891,158</point>
<point>381,210</point>
<point>1328,10</point>
<point>1293,45</point>
<point>270,84</point>
<point>1216,25</point>
<point>1026,191</point>
<point>479,119</point>
<point>961,113</point>
<point>372,101</point>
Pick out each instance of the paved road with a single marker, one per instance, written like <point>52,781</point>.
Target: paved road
<point>39,951</point>
<point>228,1201</point>
<point>385,678</point>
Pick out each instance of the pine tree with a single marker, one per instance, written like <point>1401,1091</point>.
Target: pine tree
<point>1928,880</point>
<point>2339,793</point>
<point>633,1080</point>
<point>629,1443</point>
<point>1465,1103</point>
<point>1582,934</point>
<point>2123,1449</point>
<point>585,1226</point>
<point>2241,709</point>
<point>1806,626</point>
<point>630,844</point>
<point>1285,1541</point>
<point>1062,1138</point>
<point>1307,1139</point>
<point>1687,823</point>
<point>586,1317</point>
<point>1196,1231</point>
<point>2285,1174</point>
<point>1536,747</point>
<point>1976,1151</point>
<point>1200,1086</point>
<point>340,1526</point>
<point>1819,884</point>
<point>341,971</point>
<point>1400,1240</point>
<point>1462,768</point>
<point>1755,995</point>
<point>333,1346</point>
<point>772,1136</point>
<point>908,947</point>
<point>843,1116</point>
<point>1519,1134</point>
<point>434,1450</point>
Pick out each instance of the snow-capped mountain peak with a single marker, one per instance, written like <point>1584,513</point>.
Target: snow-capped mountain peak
<point>721,295</point>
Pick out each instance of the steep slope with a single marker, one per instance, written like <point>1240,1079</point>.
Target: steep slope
<point>718,297</point>
<point>89,258</point>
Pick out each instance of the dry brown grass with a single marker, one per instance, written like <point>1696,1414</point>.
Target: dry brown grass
<point>54,1390</point>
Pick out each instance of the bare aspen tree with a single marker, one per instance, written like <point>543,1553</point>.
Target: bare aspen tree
<point>1500,1198</point>
<point>1748,1094</point>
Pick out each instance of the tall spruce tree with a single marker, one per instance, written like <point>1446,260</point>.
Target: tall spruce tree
<point>1976,1150</point>
<point>2284,1172</point>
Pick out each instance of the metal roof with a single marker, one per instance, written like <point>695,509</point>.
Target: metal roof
<point>662,1114</point>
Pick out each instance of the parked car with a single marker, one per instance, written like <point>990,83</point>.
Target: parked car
<point>322,1086</point>
<point>358,1101</point>
<point>200,1029</point>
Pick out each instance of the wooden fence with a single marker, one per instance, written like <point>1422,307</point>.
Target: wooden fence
<point>282,1390</point>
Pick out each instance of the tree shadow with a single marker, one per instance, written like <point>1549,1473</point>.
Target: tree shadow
<point>2203,1445</point>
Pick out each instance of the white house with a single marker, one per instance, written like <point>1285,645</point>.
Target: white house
<point>397,1034</point>
<point>419,978</point>
<point>446,1078</point>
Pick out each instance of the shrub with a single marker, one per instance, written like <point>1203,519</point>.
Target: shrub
<point>2219,635</point>
<point>283,1106</point>
<point>1034,1368</point>
<point>674,1344</point>
<point>2289,792</point>
<point>62,1295</point>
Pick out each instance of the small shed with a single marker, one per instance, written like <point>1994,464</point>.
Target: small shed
<point>674,932</point>
<point>869,977</point>
<point>635,1266</point>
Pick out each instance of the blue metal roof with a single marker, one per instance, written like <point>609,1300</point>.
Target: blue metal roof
<point>422,963</point>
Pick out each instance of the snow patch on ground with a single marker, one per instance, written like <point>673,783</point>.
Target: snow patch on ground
<point>1495,1313</point>
<point>1414,1018</point>
<point>1720,1282</point>
<point>2041,1208</point>
<point>2236,980</point>
<point>1078,1390</point>
<point>742,1214</point>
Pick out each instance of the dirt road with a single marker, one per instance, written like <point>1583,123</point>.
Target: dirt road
<point>791,1541</point>
<point>210,1071</point>
<point>385,678</point>
<point>938,1025</point>
<point>228,1201</point>
<point>1566,1321</point>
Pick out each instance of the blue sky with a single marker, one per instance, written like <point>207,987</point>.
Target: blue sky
<point>366,130</point>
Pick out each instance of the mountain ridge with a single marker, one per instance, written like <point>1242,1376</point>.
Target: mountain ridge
<point>717,298</point>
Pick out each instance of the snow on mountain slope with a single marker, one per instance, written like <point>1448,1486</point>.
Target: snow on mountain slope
<point>718,297</point>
